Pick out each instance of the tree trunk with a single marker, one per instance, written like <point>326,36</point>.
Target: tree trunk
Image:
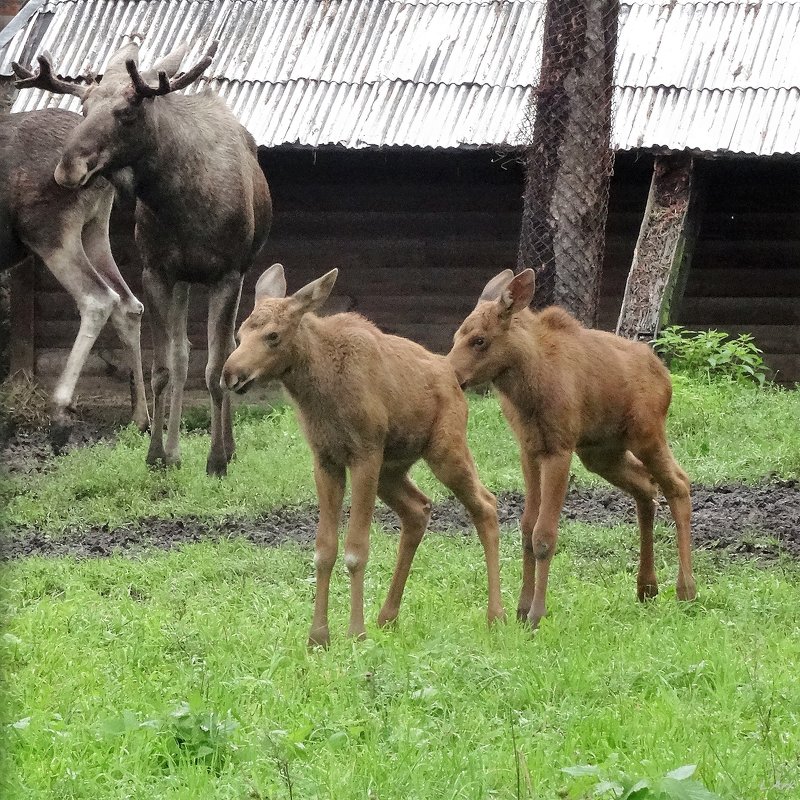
<point>569,159</point>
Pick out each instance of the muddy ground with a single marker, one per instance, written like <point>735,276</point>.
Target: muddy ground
<point>761,521</point>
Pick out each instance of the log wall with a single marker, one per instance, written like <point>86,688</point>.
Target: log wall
<point>416,236</point>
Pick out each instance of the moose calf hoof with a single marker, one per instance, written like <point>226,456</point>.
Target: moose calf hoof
<point>686,590</point>
<point>495,615</point>
<point>319,638</point>
<point>387,617</point>
<point>522,613</point>
<point>359,634</point>
<point>535,618</point>
<point>646,590</point>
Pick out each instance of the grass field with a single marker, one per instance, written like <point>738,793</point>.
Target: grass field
<point>185,674</point>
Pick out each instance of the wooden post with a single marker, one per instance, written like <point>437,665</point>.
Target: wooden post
<point>664,249</point>
<point>22,329</point>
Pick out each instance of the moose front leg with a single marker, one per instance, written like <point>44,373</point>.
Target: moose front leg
<point>530,471</point>
<point>330,481</point>
<point>364,476</point>
<point>554,470</point>
<point>223,303</point>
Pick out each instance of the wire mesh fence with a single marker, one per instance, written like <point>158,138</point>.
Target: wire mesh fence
<point>568,157</point>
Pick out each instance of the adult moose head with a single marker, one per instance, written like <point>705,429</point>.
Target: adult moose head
<point>203,211</point>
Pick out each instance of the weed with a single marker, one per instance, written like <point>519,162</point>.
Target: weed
<point>675,785</point>
<point>711,354</point>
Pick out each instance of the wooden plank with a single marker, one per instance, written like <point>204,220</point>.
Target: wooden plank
<point>739,311</point>
<point>663,250</point>
<point>744,282</point>
<point>22,355</point>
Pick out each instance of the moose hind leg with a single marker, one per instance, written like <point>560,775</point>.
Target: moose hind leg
<point>674,483</point>
<point>413,508</point>
<point>178,355</point>
<point>223,303</point>
<point>622,469</point>
<point>127,313</point>
<point>96,300</point>
<point>452,464</point>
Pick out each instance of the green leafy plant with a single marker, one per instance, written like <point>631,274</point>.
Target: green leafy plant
<point>675,785</point>
<point>189,733</point>
<point>711,354</point>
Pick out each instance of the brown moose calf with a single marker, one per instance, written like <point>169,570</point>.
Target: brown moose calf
<point>565,389</point>
<point>374,404</point>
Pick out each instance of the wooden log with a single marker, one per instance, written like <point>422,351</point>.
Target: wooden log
<point>663,250</point>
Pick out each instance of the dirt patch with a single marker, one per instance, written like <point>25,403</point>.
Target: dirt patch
<point>25,452</point>
<point>760,521</point>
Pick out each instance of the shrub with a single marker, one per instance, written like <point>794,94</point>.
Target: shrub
<point>711,354</point>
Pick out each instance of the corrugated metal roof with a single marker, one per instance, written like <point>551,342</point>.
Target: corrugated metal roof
<point>707,76</point>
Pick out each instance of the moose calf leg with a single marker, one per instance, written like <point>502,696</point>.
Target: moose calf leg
<point>414,510</point>
<point>554,481</point>
<point>675,484</point>
<point>364,485</point>
<point>451,462</point>
<point>530,470</point>
<point>223,304</point>
<point>622,469</point>
<point>330,483</point>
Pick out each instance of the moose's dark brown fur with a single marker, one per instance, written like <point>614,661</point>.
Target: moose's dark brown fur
<point>565,389</point>
<point>374,404</point>
<point>203,211</point>
<point>68,230</point>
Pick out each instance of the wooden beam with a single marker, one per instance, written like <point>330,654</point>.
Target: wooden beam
<point>663,253</point>
<point>22,328</point>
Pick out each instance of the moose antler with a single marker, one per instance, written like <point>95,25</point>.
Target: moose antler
<point>45,78</point>
<point>165,85</point>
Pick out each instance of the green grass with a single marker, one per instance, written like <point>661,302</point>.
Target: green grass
<point>185,675</point>
<point>720,432</point>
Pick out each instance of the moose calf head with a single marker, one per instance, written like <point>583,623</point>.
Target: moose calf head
<point>113,134</point>
<point>268,338</point>
<point>480,349</point>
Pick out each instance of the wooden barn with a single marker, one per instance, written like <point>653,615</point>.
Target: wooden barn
<point>388,131</point>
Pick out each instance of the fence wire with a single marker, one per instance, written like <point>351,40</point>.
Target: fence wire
<point>568,157</point>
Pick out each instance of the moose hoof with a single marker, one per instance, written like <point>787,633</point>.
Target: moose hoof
<point>216,468</point>
<point>387,618</point>
<point>522,613</point>
<point>319,638</point>
<point>646,590</point>
<point>60,431</point>
<point>686,590</point>
<point>535,618</point>
<point>495,616</point>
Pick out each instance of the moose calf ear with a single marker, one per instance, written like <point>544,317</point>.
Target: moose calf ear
<point>518,293</point>
<point>494,288</point>
<point>272,283</point>
<point>312,296</point>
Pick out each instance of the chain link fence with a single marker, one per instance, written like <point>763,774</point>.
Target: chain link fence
<point>568,158</point>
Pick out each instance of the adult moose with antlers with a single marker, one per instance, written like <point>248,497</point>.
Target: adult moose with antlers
<point>68,231</point>
<point>203,211</point>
